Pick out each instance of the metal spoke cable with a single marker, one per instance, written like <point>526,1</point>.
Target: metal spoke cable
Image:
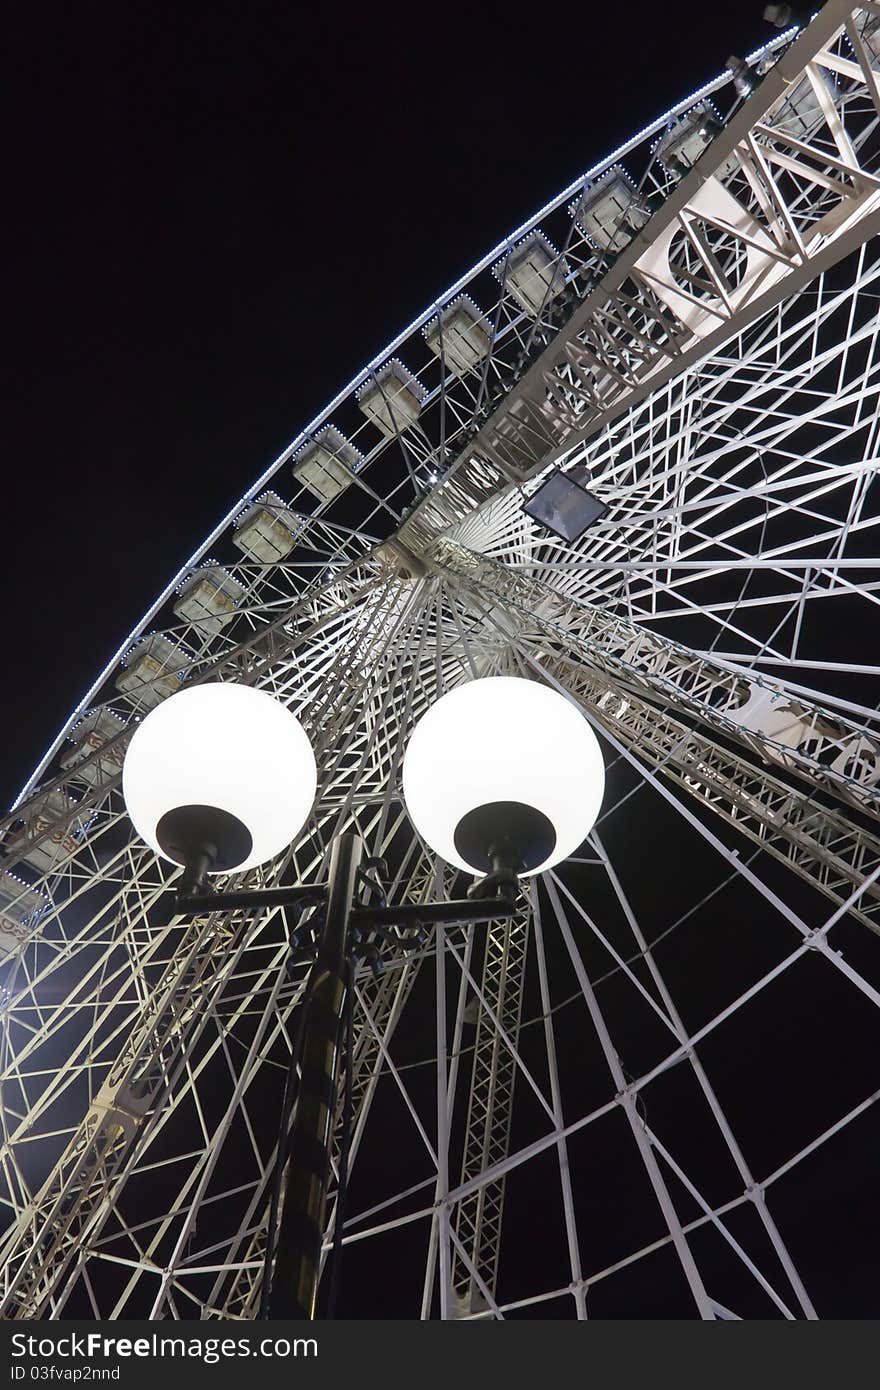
<point>600,979</point>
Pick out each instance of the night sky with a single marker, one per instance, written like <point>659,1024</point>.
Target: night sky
<point>217,215</point>
<point>214,217</point>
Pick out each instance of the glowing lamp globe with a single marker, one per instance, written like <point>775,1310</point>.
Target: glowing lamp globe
<point>503,766</point>
<point>222,771</point>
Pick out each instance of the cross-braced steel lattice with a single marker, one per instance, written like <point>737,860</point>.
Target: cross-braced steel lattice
<point>653,1091</point>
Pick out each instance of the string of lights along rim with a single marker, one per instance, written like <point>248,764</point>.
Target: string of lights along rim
<point>630,456</point>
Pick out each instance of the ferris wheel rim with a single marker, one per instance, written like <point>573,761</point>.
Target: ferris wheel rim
<point>323,416</point>
<point>431,640</point>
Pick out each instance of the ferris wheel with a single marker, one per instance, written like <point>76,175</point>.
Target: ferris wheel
<point>631,455</point>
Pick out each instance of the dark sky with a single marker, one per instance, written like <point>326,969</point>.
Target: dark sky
<point>215,215</point>
<point>213,219</point>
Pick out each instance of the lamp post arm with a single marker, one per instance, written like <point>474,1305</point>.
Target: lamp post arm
<point>295,894</point>
<point>455,910</point>
<point>428,914</point>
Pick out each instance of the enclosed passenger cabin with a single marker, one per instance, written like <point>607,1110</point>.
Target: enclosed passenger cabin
<point>611,210</point>
<point>209,597</point>
<point>682,144</point>
<point>532,272</point>
<point>459,336</point>
<point>800,112</point>
<point>392,398</point>
<point>267,530</point>
<point>88,737</point>
<point>21,907</point>
<point>48,837</point>
<point>327,464</point>
<point>152,670</point>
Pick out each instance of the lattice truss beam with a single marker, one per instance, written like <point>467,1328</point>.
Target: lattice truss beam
<point>160,1011</point>
<point>819,843</point>
<point>368,682</point>
<point>754,467</point>
<point>490,1109</point>
<point>780,196</point>
<point>405,436</point>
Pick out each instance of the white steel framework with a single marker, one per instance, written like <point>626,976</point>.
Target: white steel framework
<point>554,1115</point>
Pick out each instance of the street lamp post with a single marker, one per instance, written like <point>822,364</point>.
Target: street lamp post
<point>294,1286</point>
<point>294,1281</point>
<point>502,777</point>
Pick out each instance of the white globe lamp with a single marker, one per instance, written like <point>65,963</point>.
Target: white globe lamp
<point>219,777</point>
<point>503,767</point>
